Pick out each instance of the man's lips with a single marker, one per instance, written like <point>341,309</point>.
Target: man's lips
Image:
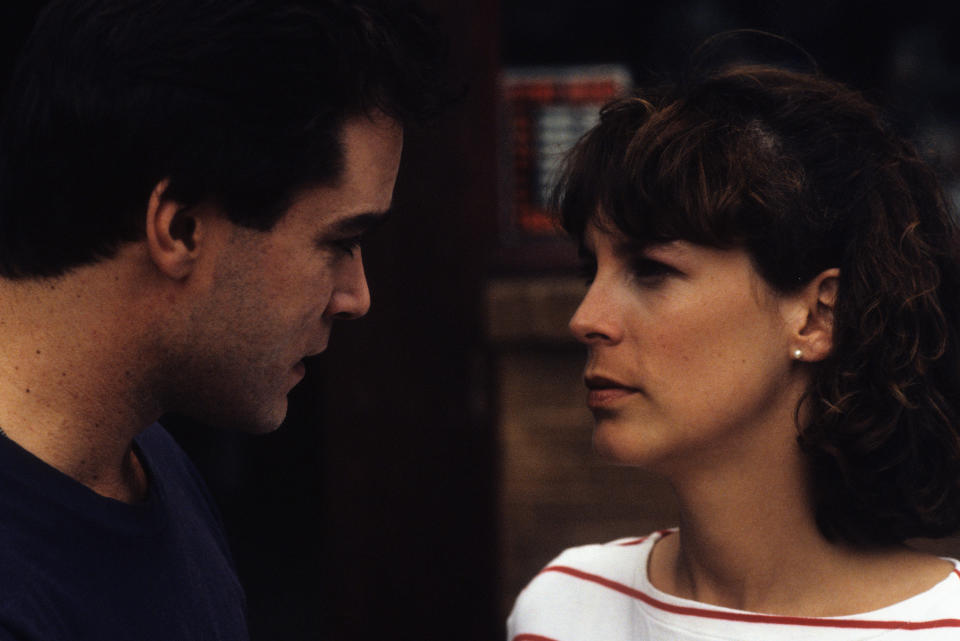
<point>314,352</point>
<point>603,391</point>
<point>299,366</point>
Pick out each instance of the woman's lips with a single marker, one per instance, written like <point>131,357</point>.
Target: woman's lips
<point>603,392</point>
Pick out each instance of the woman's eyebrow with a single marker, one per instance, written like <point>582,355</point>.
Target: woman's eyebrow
<point>637,248</point>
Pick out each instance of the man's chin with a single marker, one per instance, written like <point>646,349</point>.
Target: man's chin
<point>256,422</point>
<point>270,423</point>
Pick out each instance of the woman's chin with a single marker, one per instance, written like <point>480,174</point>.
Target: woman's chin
<point>619,444</point>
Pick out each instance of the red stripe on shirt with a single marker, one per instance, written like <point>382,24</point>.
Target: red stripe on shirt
<point>634,541</point>
<point>661,533</point>
<point>531,637</point>
<point>754,618</point>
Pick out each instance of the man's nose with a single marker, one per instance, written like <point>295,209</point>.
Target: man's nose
<point>351,295</point>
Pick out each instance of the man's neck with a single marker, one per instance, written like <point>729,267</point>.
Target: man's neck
<point>71,392</point>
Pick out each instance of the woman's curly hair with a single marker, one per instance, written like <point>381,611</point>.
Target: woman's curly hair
<point>804,174</point>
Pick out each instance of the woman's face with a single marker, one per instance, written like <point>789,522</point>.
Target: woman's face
<point>689,352</point>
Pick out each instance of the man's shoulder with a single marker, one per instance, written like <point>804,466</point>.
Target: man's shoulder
<point>168,465</point>
<point>27,600</point>
<point>156,440</point>
<point>72,560</point>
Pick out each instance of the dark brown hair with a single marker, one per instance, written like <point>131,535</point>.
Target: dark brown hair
<point>803,173</point>
<point>239,103</point>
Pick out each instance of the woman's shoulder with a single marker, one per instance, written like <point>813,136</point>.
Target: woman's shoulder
<point>584,588</point>
<point>617,559</point>
<point>939,602</point>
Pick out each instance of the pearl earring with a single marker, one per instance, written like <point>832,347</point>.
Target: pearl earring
<point>798,354</point>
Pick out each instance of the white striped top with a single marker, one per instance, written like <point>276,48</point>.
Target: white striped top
<point>602,593</point>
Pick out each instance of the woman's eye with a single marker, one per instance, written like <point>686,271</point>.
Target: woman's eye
<point>651,272</point>
<point>588,270</point>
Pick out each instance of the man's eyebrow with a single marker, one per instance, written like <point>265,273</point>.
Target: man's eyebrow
<point>359,223</point>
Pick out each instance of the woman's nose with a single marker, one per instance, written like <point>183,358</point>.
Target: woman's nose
<point>595,319</point>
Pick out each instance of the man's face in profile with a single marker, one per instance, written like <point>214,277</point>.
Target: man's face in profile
<point>273,296</point>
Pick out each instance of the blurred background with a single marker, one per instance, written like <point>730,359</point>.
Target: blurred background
<point>439,453</point>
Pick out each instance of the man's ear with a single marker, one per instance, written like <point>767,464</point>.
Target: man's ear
<point>812,338</point>
<point>173,233</point>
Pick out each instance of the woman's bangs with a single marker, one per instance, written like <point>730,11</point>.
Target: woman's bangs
<point>657,183</point>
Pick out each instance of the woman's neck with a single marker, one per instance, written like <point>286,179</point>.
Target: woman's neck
<point>748,540</point>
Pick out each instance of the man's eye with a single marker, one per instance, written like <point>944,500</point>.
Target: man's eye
<point>349,245</point>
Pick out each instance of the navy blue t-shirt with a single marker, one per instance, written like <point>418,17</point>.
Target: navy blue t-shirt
<point>78,566</point>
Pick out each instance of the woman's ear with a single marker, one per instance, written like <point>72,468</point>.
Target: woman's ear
<point>813,333</point>
<point>173,233</point>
